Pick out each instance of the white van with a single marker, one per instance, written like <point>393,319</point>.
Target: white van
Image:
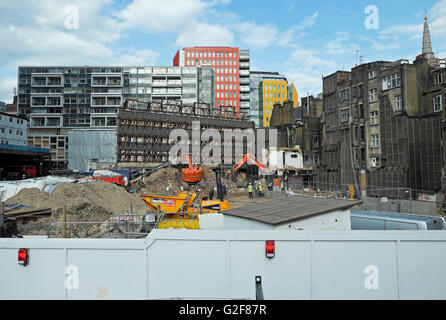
<point>376,220</point>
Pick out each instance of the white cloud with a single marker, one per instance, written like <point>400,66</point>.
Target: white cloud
<point>6,89</point>
<point>161,15</point>
<point>414,32</point>
<point>306,68</point>
<point>260,36</point>
<point>339,46</point>
<point>138,58</point>
<point>203,34</point>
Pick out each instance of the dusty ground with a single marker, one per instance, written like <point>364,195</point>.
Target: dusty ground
<point>239,199</point>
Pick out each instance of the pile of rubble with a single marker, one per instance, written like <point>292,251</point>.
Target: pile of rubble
<point>158,182</point>
<point>85,202</point>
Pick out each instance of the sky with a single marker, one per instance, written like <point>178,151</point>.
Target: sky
<point>303,40</point>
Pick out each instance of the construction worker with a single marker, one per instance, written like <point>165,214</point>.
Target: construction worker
<point>260,190</point>
<point>250,191</point>
<point>169,187</point>
<point>256,188</point>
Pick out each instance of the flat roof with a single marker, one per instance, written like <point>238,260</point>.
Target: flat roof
<point>289,209</point>
<point>16,149</point>
<point>13,115</point>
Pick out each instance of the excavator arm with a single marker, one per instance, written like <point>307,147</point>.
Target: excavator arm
<point>252,159</point>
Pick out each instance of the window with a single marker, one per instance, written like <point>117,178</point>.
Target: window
<point>392,81</point>
<point>374,118</point>
<point>438,79</point>
<point>399,103</point>
<point>375,141</point>
<point>438,103</point>
<point>361,91</point>
<point>373,95</point>
<point>345,115</point>
<point>372,74</point>
<point>344,95</point>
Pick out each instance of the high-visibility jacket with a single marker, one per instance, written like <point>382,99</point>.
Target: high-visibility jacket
<point>260,188</point>
<point>249,188</point>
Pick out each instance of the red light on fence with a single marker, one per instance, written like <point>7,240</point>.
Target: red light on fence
<point>270,249</point>
<point>23,256</point>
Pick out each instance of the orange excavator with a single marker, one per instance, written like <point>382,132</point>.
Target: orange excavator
<point>252,160</point>
<point>191,174</point>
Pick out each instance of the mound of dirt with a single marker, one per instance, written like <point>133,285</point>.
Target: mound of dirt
<point>85,202</point>
<point>158,183</point>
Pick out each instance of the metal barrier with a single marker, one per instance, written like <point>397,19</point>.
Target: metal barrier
<point>116,226</point>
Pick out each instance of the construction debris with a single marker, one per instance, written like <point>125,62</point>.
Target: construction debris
<point>158,182</point>
<point>85,202</point>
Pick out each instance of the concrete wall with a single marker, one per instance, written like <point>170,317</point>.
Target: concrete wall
<point>224,264</point>
<point>400,206</point>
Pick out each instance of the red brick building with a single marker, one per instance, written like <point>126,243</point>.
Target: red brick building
<point>226,64</point>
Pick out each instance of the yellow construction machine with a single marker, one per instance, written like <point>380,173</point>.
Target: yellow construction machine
<point>177,211</point>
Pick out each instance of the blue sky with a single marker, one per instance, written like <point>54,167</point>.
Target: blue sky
<point>303,40</point>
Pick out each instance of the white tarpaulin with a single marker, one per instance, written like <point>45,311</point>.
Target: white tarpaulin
<point>9,189</point>
<point>105,173</point>
<point>91,148</point>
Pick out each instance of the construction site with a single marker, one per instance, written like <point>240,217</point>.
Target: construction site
<point>208,181</point>
<point>135,187</point>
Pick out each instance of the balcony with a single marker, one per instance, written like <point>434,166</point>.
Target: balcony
<point>46,101</point>
<point>159,83</point>
<point>100,102</point>
<point>43,80</point>
<point>114,81</point>
<point>38,82</point>
<point>39,122</point>
<point>54,81</point>
<point>97,83</point>
<point>244,89</point>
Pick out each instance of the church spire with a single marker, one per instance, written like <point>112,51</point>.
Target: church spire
<point>427,43</point>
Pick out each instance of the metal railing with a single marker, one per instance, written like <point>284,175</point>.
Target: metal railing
<point>116,226</point>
